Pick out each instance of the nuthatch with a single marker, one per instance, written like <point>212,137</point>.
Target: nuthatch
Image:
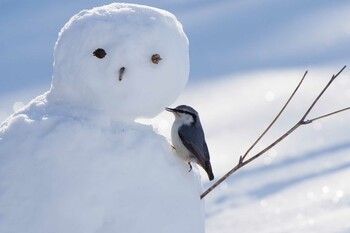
<point>188,138</point>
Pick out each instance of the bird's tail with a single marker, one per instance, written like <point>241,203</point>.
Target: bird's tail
<point>209,171</point>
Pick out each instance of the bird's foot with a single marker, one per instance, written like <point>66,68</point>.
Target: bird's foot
<point>190,166</point>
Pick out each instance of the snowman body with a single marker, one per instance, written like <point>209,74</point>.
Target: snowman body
<point>74,160</point>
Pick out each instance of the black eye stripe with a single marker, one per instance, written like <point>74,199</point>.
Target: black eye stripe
<point>187,112</point>
<point>183,111</point>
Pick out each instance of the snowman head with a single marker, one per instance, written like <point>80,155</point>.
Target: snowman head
<point>121,60</point>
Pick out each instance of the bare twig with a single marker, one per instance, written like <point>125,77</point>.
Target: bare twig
<point>274,120</point>
<point>326,115</point>
<point>323,91</point>
<point>301,122</point>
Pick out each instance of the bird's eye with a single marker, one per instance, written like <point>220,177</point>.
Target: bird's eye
<point>99,53</point>
<point>156,58</point>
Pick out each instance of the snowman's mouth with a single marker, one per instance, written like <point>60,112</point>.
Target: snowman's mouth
<point>121,73</point>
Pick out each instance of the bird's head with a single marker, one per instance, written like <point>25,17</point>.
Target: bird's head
<point>185,114</point>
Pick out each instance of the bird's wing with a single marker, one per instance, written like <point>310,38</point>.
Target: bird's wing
<point>206,152</point>
<point>194,141</point>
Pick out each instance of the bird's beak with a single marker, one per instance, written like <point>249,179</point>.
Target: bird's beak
<point>170,109</point>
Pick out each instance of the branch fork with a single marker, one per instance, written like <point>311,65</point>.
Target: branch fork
<point>243,158</point>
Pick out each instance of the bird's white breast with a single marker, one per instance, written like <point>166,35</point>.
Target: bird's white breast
<point>180,149</point>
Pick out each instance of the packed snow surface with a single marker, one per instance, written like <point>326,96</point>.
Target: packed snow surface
<point>75,160</point>
<point>252,54</point>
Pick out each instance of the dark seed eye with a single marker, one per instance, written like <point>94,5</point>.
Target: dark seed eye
<point>99,53</point>
<point>156,58</point>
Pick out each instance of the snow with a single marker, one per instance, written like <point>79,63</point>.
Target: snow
<point>130,35</point>
<point>75,160</point>
<point>73,176</point>
<point>252,54</point>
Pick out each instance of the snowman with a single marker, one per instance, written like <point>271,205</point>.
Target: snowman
<point>75,160</point>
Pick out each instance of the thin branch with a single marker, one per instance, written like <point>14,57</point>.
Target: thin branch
<point>323,91</point>
<point>242,163</point>
<point>274,120</point>
<point>291,130</point>
<point>301,122</point>
<point>326,115</point>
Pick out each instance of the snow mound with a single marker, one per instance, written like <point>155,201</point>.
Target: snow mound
<point>65,175</point>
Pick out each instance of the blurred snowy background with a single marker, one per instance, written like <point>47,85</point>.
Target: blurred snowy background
<point>247,56</point>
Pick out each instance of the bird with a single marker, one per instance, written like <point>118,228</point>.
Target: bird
<point>188,138</point>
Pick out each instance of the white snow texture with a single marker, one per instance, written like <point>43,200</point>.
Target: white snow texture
<point>74,160</point>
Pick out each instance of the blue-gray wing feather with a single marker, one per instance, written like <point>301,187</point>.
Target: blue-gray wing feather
<point>194,140</point>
